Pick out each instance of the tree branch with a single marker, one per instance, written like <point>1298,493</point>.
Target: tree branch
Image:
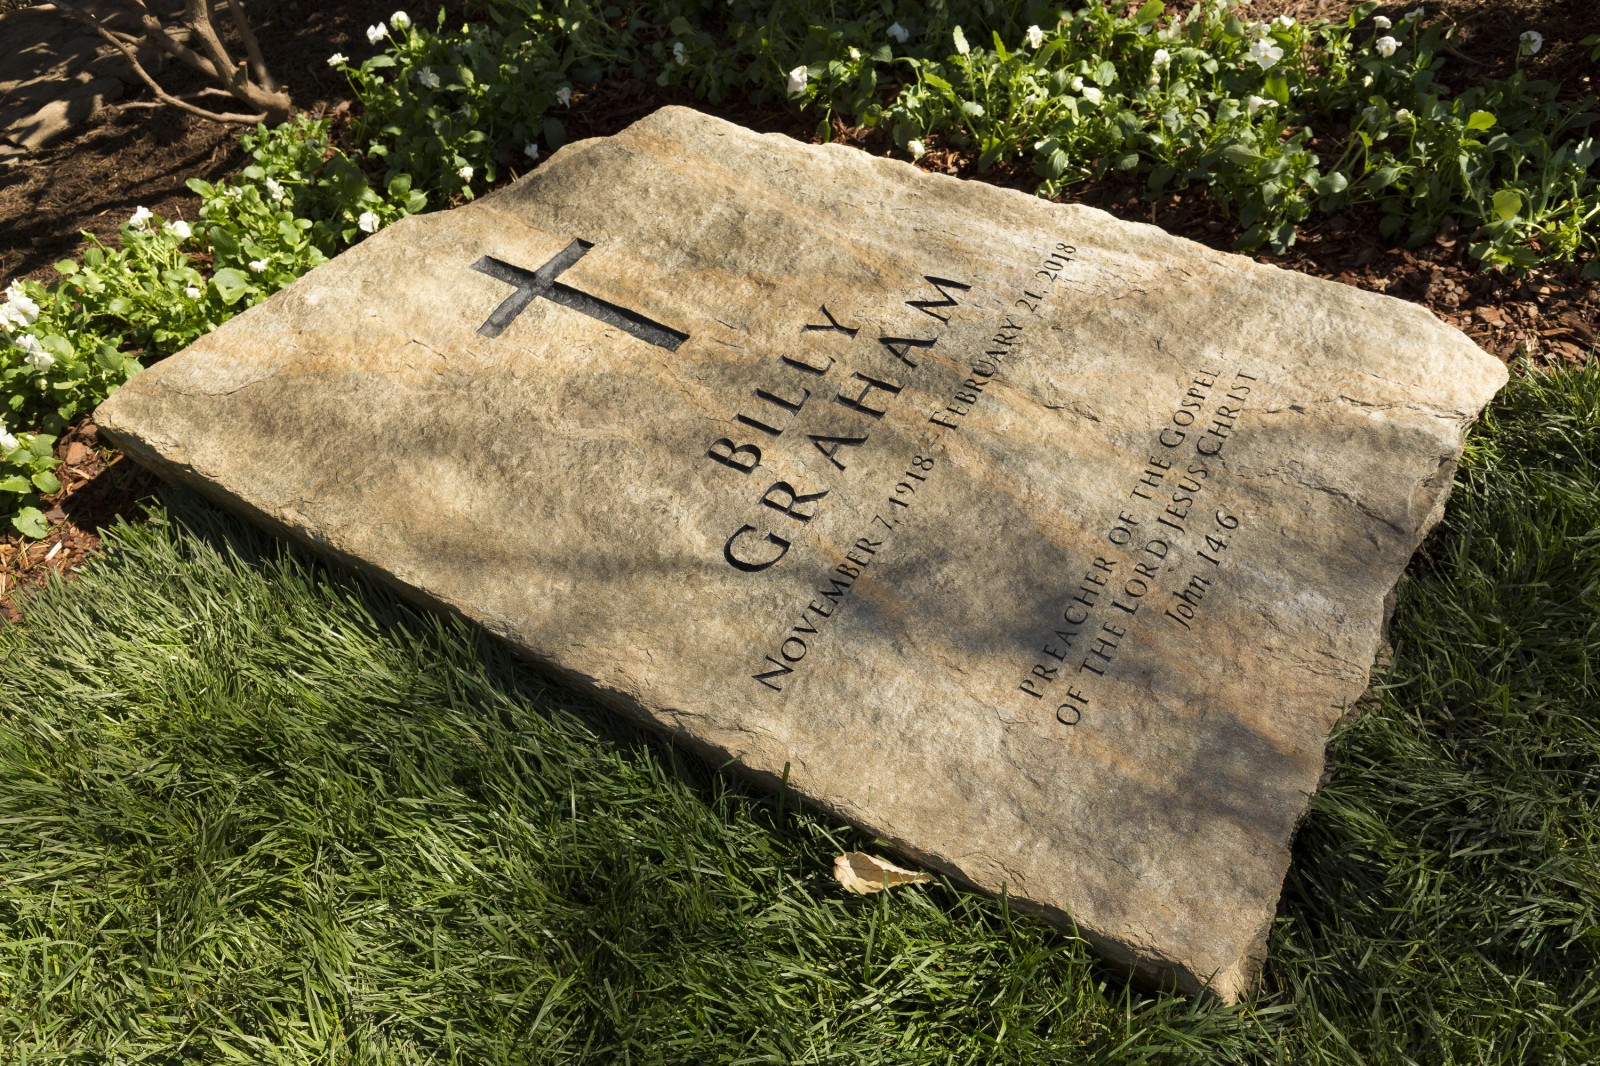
<point>252,47</point>
<point>162,94</point>
<point>73,11</point>
<point>232,78</point>
<point>197,94</point>
<point>157,34</point>
<point>191,96</point>
<point>128,39</point>
<point>197,16</point>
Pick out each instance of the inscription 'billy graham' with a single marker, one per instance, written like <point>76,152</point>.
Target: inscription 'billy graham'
<point>860,400</point>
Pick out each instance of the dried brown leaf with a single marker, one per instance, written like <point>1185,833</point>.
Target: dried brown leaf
<point>860,873</point>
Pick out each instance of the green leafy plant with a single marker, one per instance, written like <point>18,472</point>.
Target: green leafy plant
<point>164,283</point>
<point>1279,121</point>
<point>295,169</point>
<point>46,372</point>
<point>1209,99</point>
<point>26,464</point>
<point>446,107</point>
<point>455,107</point>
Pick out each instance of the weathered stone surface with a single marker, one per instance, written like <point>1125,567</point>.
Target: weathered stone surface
<point>1068,543</point>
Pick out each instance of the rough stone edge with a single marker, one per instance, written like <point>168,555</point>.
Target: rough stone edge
<point>1141,962</point>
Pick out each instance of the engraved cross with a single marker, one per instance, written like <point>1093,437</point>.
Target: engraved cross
<point>532,284</point>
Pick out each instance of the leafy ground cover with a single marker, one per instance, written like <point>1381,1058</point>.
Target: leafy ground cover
<point>258,811</point>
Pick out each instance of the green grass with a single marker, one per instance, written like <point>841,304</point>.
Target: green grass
<point>253,810</point>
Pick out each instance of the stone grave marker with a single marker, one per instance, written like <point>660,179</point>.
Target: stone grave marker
<point>1047,547</point>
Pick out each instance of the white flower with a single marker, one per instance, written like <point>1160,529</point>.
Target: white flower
<point>564,96</point>
<point>1381,21</point>
<point>427,78</point>
<point>1403,115</point>
<point>917,149</point>
<point>1256,103</point>
<point>180,229</point>
<point>1161,58</point>
<point>1035,37</point>
<point>7,441</point>
<point>141,217</point>
<point>855,54</point>
<point>400,20</point>
<point>1265,53</point>
<point>1386,46</point>
<point>18,310</point>
<point>531,150</point>
<point>466,173</point>
<point>1531,42</point>
<point>512,68</point>
<point>1285,21</point>
<point>377,33</point>
<point>1370,112</point>
<point>368,222</point>
<point>274,190</point>
<point>899,33</point>
<point>1076,85</point>
<point>259,266</point>
<point>1258,29</point>
<point>677,53</point>
<point>37,357</point>
<point>797,81</point>
<point>338,59</point>
<point>972,108</point>
<point>1093,95</point>
<point>1415,13</point>
<point>192,292</point>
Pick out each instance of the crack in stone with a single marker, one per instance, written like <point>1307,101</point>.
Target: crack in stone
<point>1360,505</point>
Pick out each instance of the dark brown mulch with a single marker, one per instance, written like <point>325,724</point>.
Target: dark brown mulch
<point>127,158</point>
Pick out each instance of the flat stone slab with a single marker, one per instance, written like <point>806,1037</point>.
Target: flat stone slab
<point>1046,546</point>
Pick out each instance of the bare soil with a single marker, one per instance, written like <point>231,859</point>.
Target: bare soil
<point>127,157</point>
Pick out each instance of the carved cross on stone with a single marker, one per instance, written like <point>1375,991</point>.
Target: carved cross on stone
<point>532,284</point>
